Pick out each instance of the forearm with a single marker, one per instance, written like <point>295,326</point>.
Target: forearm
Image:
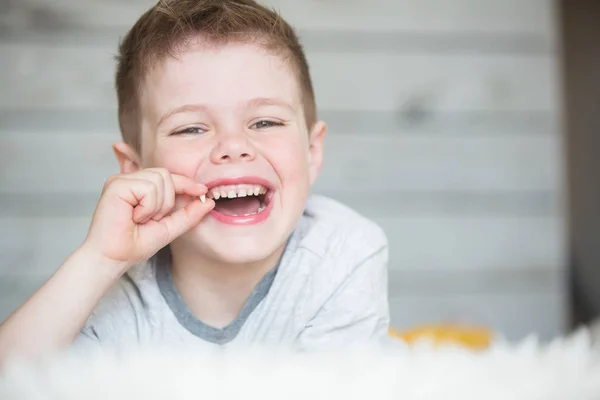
<point>53,316</point>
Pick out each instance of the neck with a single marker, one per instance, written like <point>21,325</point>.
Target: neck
<point>214,291</point>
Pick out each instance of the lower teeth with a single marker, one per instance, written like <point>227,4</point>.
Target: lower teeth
<point>254,213</point>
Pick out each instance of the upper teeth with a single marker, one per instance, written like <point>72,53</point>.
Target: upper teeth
<point>233,191</point>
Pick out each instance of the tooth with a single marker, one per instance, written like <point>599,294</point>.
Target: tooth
<point>232,194</point>
<point>263,190</point>
<point>242,193</point>
<point>216,194</point>
<point>256,191</point>
<point>224,194</point>
<point>262,208</point>
<point>203,198</point>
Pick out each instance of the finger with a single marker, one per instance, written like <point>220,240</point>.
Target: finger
<point>186,218</point>
<point>155,175</point>
<point>138,194</point>
<point>185,185</point>
<point>167,195</point>
<point>142,196</point>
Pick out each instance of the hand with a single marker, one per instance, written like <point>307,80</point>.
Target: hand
<point>135,215</point>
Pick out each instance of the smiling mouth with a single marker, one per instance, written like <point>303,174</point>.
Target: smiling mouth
<point>243,200</point>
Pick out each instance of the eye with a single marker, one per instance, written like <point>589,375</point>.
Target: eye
<point>190,130</point>
<point>266,124</point>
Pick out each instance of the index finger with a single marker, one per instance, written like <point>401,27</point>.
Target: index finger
<point>184,185</point>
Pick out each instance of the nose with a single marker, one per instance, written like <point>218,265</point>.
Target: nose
<point>233,147</point>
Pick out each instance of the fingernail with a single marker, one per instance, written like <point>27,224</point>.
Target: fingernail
<point>203,198</point>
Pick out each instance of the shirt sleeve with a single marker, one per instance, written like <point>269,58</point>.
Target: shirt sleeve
<point>115,320</point>
<point>357,313</point>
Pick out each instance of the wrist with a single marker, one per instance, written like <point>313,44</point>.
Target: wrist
<point>92,263</point>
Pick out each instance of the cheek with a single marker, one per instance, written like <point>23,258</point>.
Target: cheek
<point>290,160</point>
<point>179,158</point>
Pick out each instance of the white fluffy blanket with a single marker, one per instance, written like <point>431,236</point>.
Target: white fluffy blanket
<point>566,369</point>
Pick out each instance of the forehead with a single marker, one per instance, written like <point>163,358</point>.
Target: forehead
<point>221,76</point>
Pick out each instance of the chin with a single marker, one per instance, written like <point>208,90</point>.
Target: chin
<point>244,254</point>
<point>232,249</point>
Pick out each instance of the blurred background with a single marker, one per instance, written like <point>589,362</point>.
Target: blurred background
<point>447,125</point>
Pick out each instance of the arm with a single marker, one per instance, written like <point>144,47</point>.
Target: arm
<point>53,316</point>
<point>357,312</point>
<point>135,218</point>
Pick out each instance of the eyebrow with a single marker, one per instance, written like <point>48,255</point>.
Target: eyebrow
<point>256,102</point>
<point>265,101</point>
<point>180,109</point>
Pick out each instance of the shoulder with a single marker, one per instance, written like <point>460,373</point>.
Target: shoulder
<point>338,247</point>
<point>334,230</point>
<point>127,291</point>
<point>343,256</point>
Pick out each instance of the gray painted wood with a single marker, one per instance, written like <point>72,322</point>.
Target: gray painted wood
<point>512,311</point>
<point>533,17</point>
<point>430,243</point>
<point>412,120</point>
<point>80,162</point>
<point>513,315</point>
<point>57,76</point>
<point>457,101</point>
<point>404,203</point>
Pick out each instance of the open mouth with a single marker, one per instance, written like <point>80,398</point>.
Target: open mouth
<point>243,200</point>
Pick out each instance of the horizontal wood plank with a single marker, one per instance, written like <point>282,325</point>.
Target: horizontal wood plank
<point>58,77</point>
<point>512,312</point>
<point>80,162</point>
<point>385,203</point>
<point>472,243</point>
<point>416,243</point>
<point>483,16</point>
<point>513,316</point>
<point>411,121</point>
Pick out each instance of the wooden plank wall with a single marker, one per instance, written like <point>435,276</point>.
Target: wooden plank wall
<point>444,123</point>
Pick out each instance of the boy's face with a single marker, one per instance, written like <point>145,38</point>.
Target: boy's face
<point>231,117</point>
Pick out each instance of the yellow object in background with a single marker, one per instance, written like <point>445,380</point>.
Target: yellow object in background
<point>476,338</point>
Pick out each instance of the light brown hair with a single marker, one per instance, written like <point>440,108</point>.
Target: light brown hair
<point>170,24</point>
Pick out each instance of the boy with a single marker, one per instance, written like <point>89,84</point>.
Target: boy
<point>208,236</point>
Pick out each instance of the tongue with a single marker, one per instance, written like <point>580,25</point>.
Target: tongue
<point>239,206</point>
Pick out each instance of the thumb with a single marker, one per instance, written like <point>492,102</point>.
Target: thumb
<point>186,218</point>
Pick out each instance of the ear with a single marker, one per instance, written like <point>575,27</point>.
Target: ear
<point>315,151</point>
<point>128,159</point>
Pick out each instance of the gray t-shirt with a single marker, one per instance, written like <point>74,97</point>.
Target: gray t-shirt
<point>329,289</point>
